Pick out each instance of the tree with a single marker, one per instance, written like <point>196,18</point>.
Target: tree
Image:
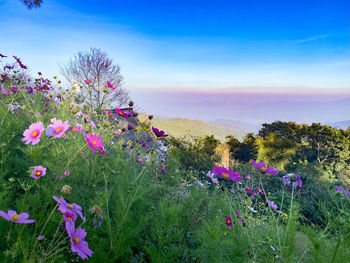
<point>99,80</point>
<point>32,3</point>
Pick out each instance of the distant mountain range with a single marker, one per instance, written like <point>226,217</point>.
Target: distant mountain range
<point>340,124</point>
<point>185,128</point>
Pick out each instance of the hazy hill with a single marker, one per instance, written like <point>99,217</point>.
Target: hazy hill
<point>179,128</point>
<point>242,126</point>
<point>340,124</point>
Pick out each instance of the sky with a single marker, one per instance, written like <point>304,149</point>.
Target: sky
<point>295,48</point>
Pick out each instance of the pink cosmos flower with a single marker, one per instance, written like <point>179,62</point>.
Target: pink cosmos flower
<point>110,85</point>
<point>94,142</point>
<point>69,217</point>
<point>59,128</point>
<point>66,172</point>
<point>38,171</point>
<point>33,133</point>
<point>78,244</point>
<point>65,207</point>
<point>122,113</point>
<point>228,221</point>
<point>76,129</point>
<point>260,191</point>
<point>13,217</point>
<point>87,81</point>
<point>261,166</point>
<point>227,174</point>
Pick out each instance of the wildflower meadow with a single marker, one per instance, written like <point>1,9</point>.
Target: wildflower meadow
<point>86,183</point>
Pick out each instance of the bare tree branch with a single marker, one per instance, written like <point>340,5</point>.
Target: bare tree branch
<point>95,66</point>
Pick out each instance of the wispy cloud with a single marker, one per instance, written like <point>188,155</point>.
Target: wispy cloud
<point>309,39</point>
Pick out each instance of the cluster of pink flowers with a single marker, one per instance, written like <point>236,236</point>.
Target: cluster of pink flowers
<point>69,215</point>
<point>56,129</point>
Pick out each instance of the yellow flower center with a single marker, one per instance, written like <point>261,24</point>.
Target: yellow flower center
<point>74,129</point>
<point>225,175</point>
<point>76,240</point>
<point>35,133</point>
<point>228,222</point>
<point>70,206</point>
<point>69,218</point>
<point>14,217</point>
<point>38,173</point>
<point>58,129</point>
<point>94,142</point>
<point>263,169</point>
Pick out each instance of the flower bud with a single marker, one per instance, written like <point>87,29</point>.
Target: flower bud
<point>66,190</point>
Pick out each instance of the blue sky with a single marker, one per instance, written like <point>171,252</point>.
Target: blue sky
<point>258,46</point>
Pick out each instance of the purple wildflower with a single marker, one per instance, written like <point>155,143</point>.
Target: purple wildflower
<point>163,169</point>
<point>13,217</point>
<point>260,191</point>
<point>159,133</point>
<point>65,207</point>
<point>261,166</point>
<point>78,244</point>
<point>295,178</point>
<point>250,191</point>
<point>227,174</point>
<point>228,221</point>
<point>239,217</point>
<point>274,207</point>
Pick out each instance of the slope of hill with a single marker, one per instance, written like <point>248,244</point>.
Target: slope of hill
<point>180,128</point>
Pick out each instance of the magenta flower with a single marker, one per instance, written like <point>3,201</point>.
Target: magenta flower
<point>77,129</point>
<point>261,166</point>
<point>122,113</point>
<point>66,172</point>
<point>163,169</point>
<point>159,133</point>
<point>33,133</point>
<point>87,81</point>
<point>250,191</point>
<point>227,174</point>
<point>65,207</point>
<point>110,85</point>
<point>41,238</point>
<point>94,142</point>
<point>228,221</point>
<point>38,171</point>
<point>274,207</point>
<point>260,191</point>
<point>78,244</point>
<point>69,217</point>
<point>13,217</point>
<point>59,128</point>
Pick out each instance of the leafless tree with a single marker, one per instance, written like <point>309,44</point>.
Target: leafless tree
<point>96,67</point>
<point>32,3</point>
